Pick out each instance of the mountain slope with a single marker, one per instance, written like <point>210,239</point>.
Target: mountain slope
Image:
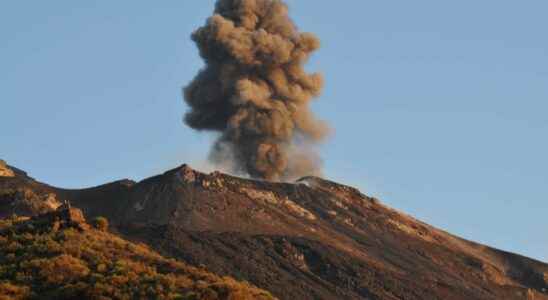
<point>55,256</point>
<point>313,239</point>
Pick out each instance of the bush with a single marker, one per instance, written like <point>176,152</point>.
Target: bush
<point>101,223</point>
<point>87,264</point>
<point>11,291</point>
<point>61,269</point>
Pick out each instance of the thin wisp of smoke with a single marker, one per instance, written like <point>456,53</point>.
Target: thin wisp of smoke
<point>255,92</point>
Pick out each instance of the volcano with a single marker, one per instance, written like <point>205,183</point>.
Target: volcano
<point>309,239</point>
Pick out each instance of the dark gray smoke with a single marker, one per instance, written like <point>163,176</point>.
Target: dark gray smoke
<point>255,92</point>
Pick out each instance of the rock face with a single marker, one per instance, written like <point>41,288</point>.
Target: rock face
<point>63,217</point>
<point>313,239</point>
<point>5,171</point>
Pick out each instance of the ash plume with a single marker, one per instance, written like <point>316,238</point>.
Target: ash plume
<point>255,92</point>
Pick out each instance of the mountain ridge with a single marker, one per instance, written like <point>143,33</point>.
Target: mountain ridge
<point>312,239</point>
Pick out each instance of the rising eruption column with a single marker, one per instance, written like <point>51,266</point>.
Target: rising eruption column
<point>255,92</point>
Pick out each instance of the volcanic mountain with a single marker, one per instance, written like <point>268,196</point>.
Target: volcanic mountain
<point>311,239</point>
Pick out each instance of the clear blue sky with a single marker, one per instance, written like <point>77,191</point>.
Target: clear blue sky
<point>439,107</point>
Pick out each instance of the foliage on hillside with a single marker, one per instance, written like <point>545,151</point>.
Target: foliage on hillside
<point>28,201</point>
<point>45,261</point>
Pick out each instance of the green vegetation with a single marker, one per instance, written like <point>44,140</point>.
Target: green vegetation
<point>46,261</point>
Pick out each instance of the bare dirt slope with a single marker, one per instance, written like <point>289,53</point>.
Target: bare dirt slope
<point>312,239</point>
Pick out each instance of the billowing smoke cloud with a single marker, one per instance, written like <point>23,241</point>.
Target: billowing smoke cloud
<point>255,92</point>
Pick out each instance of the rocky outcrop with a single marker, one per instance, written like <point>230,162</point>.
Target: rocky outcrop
<point>5,171</point>
<point>25,200</point>
<point>65,216</point>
